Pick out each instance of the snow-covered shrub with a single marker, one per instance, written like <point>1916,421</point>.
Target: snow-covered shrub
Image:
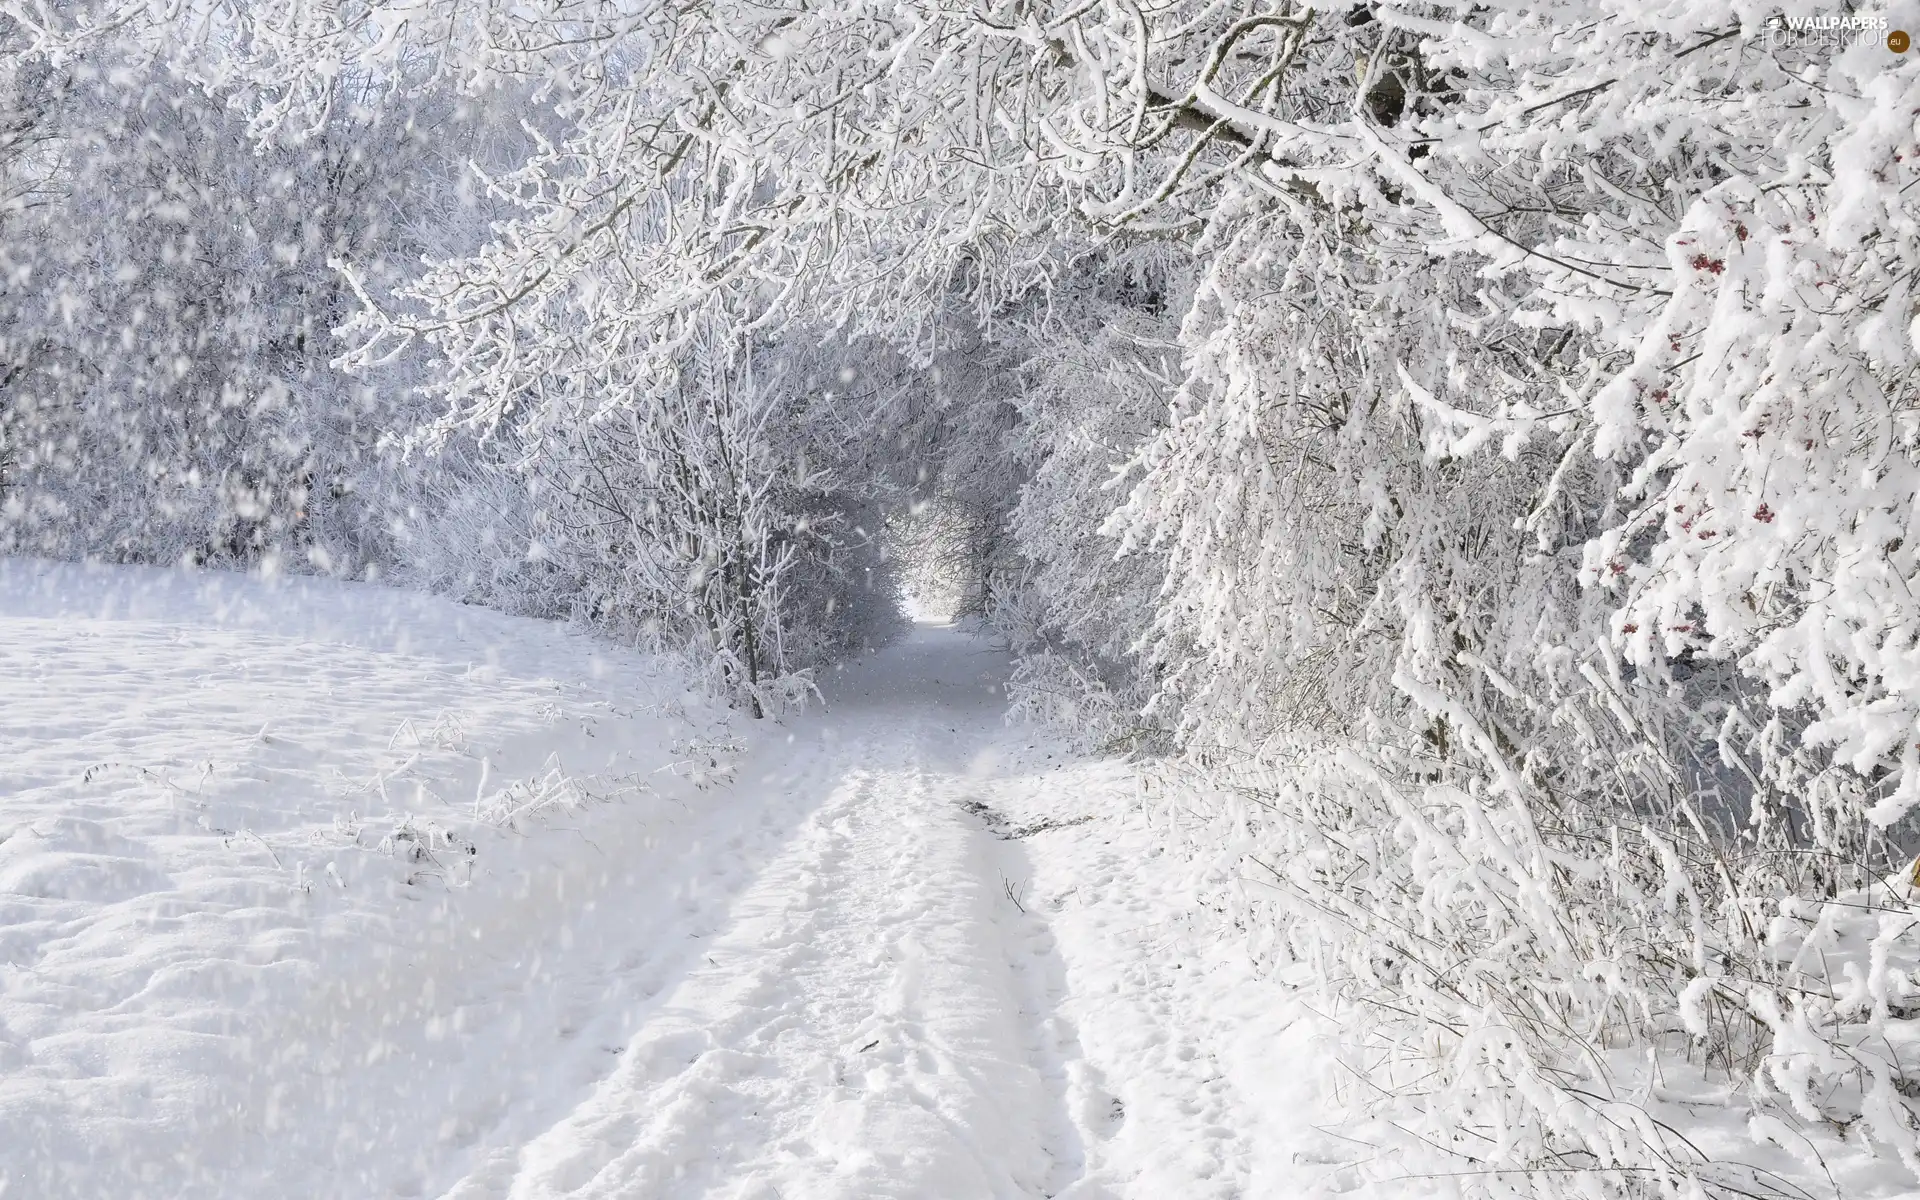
<point>168,332</point>
<point>1097,381</point>
<point>1482,617</point>
<point>166,326</point>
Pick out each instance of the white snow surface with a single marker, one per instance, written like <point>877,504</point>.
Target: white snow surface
<point>314,889</point>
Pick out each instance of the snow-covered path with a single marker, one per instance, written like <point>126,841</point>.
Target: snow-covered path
<point>884,1009</point>
<point>864,1020</point>
<point>909,952</point>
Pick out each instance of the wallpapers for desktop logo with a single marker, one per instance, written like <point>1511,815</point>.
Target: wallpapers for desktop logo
<point>1836,30</point>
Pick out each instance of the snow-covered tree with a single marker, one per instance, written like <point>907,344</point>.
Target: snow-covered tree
<point>167,323</point>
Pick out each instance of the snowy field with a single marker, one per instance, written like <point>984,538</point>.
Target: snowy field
<point>314,889</point>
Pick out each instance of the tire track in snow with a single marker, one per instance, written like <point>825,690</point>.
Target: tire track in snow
<point>569,1013</point>
<point>1081,1110</point>
<point>1192,1075</point>
<point>672,1104</point>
